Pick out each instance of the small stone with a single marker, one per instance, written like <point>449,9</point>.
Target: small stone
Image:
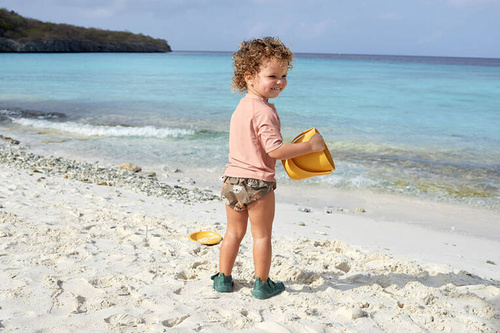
<point>302,224</point>
<point>169,169</point>
<point>304,210</point>
<point>130,167</point>
<point>343,266</point>
<point>331,209</point>
<point>360,210</point>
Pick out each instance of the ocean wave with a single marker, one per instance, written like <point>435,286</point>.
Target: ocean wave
<point>105,131</point>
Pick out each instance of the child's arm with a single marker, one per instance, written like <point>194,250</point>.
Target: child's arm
<point>291,150</point>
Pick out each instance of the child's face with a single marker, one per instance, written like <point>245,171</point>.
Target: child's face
<point>270,81</point>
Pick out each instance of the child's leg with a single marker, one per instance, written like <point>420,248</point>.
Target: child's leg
<point>236,229</point>
<point>261,215</point>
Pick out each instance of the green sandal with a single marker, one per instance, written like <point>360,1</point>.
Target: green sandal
<point>263,290</point>
<point>223,284</point>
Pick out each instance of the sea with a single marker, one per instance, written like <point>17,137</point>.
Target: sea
<point>426,127</point>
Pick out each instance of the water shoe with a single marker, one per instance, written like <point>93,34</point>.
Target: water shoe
<point>263,290</point>
<point>223,284</point>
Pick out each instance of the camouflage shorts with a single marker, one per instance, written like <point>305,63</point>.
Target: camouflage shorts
<point>238,193</point>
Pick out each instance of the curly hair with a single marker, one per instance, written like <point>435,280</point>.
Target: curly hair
<point>254,53</point>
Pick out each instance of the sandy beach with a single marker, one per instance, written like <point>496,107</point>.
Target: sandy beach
<point>77,256</point>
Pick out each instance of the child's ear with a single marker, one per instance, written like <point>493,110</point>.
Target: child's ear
<point>248,78</point>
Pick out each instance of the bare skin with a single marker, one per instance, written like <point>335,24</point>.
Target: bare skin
<point>291,150</point>
<point>261,215</point>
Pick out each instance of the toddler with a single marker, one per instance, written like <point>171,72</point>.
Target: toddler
<point>255,143</point>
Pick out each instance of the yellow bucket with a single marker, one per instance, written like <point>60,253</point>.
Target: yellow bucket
<point>309,165</point>
<point>205,237</point>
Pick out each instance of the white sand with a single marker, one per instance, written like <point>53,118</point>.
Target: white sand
<point>84,258</point>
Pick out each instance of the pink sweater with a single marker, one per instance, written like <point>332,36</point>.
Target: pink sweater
<point>254,132</point>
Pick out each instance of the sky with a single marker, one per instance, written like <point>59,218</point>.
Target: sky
<point>456,28</point>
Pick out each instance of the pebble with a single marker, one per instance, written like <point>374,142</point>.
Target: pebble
<point>130,167</point>
<point>304,210</point>
<point>343,266</point>
<point>171,169</point>
<point>19,157</point>
<point>331,209</point>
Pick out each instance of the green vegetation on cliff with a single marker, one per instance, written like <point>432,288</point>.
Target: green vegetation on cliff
<point>20,34</point>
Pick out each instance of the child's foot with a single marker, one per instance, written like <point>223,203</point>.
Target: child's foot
<point>263,290</point>
<point>223,284</point>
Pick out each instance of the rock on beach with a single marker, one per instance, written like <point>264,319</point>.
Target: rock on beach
<point>127,175</point>
<point>130,167</point>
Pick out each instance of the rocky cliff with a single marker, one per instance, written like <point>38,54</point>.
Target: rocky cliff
<point>57,45</point>
<point>19,34</point>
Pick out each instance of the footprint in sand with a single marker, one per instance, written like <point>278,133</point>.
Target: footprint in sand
<point>124,319</point>
<point>174,321</point>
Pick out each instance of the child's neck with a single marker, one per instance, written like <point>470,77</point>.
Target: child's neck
<point>254,94</point>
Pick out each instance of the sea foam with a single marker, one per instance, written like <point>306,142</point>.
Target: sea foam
<point>106,131</point>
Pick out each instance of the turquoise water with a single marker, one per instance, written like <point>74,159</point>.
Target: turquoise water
<point>408,125</point>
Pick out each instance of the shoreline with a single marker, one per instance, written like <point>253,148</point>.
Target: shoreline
<point>111,258</point>
<point>370,171</point>
<point>168,181</point>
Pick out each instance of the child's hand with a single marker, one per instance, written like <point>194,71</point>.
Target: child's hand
<point>317,143</point>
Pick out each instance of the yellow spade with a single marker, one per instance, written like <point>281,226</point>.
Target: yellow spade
<point>309,165</point>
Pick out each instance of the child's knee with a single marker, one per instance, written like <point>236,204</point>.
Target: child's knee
<point>236,235</point>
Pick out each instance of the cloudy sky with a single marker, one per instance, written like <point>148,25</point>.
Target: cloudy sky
<point>469,28</point>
